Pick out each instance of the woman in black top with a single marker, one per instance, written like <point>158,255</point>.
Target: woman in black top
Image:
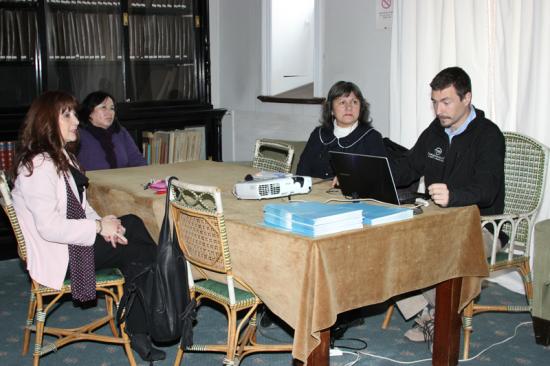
<point>345,126</point>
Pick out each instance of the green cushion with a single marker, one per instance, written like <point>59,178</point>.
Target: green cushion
<point>503,257</point>
<point>220,292</point>
<point>102,275</point>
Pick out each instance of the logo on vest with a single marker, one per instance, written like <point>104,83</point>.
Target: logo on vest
<point>436,155</point>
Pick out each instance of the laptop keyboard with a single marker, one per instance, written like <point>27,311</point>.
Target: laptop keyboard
<point>407,197</point>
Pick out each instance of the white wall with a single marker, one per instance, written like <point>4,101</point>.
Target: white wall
<point>354,50</point>
<point>291,44</point>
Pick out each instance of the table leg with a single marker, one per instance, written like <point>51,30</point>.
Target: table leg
<point>321,354</point>
<point>447,323</point>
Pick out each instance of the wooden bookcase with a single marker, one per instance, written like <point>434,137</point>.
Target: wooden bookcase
<point>151,55</point>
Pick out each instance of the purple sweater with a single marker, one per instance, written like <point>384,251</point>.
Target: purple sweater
<point>92,156</point>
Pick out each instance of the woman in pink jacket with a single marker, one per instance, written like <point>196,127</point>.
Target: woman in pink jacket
<point>65,237</point>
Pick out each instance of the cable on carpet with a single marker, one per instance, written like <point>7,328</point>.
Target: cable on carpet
<point>461,361</point>
<point>340,346</point>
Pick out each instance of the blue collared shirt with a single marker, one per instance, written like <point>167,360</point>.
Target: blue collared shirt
<point>462,128</point>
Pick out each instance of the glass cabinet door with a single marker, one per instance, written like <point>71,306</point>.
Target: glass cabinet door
<point>161,50</point>
<point>84,50</point>
<point>18,52</point>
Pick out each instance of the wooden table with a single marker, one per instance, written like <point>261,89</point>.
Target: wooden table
<point>307,282</point>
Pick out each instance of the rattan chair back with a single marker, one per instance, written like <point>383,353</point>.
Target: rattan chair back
<point>273,156</point>
<point>7,206</point>
<point>525,166</point>
<point>525,169</point>
<point>200,226</point>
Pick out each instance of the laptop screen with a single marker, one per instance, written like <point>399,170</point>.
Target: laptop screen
<point>364,176</point>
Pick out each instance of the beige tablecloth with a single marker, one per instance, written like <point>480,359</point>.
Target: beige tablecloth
<point>308,281</point>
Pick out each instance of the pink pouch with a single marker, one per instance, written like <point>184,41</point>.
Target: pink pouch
<point>159,186</point>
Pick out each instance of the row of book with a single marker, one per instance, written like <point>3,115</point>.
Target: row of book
<point>177,82</point>
<point>161,37</point>
<point>18,1</point>
<point>165,147</point>
<point>101,3</point>
<point>17,35</point>
<point>84,36</point>
<point>97,36</point>
<point>169,4</point>
<point>316,218</point>
<point>7,152</point>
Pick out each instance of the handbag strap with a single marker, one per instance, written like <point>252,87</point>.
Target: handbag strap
<point>165,235</point>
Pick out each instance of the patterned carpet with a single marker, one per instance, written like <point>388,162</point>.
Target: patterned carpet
<point>489,328</point>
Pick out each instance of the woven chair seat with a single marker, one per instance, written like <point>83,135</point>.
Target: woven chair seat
<point>103,277</point>
<point>219,292</point>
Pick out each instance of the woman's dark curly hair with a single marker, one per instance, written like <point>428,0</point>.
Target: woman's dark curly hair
<point>89,103</point>
<point>344,88</point>
<point>40,133</point>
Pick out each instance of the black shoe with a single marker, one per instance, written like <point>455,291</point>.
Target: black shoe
<point>141,343</point>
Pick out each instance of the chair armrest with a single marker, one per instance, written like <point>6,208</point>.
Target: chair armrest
<point>489,218</point>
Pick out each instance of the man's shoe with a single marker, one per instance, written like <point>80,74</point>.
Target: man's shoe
<point>423,329</point>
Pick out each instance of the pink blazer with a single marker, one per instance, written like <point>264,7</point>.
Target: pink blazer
<point>40,201</point>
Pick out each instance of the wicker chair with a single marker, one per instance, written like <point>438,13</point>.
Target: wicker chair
<point>200,228</point>
<point>273,156</point>
<point>108,281</point>
<point>525,166</point>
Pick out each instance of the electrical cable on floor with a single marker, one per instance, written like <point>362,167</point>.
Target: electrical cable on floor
<point>395,361</point>
<point>358,352</point>
<point>498,343</point>
<point>461,361</point>
<point>340,346</point>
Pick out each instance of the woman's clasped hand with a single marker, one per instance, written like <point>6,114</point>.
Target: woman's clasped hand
<point>113,231</point>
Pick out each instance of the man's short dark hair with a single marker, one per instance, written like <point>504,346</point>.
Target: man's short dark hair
<point>454,76</point>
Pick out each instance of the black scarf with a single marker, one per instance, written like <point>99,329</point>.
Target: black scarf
<point>80,179</point>
<point>105,138</point>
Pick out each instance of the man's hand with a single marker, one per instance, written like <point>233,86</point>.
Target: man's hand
<point>439,194</point>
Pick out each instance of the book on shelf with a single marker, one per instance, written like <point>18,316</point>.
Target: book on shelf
<point>164,147</point>
<point>7,153</point>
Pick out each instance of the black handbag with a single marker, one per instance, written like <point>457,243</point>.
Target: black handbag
<point>163,289</point>
<point>172,310</point>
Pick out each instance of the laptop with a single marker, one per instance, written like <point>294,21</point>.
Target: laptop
<point>368,176</point>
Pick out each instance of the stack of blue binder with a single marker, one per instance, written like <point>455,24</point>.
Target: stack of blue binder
<point>313,218</point>
<point>316,218</point>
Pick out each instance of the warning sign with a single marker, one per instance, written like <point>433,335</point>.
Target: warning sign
<point>384,12</point>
